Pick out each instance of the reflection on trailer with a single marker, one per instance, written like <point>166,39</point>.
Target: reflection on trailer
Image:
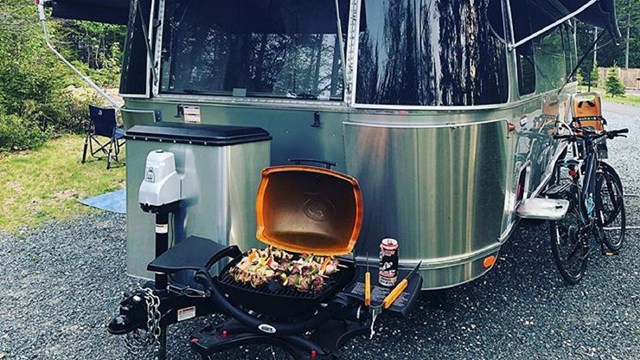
<point>443,111</point>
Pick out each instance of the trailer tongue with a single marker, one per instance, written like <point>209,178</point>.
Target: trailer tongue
<point>296,206</point>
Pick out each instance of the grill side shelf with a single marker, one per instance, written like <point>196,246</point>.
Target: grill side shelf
<point>193,253</point>
<point>403,303</point>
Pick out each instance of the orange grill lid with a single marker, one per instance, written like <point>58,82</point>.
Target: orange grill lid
<point>306,209</point>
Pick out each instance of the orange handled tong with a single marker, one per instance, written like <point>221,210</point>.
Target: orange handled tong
<point>367,285</point>
<point>393,295</point>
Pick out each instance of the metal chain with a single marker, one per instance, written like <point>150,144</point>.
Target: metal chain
<point>139,339</point>
<point>186,291</point>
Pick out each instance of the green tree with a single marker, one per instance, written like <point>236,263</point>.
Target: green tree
<point>39,95</point>
<point>30,78</point>
<point>594,75</point>
<point>96,47</point>
<point>580,77</point>
<point>612,51</point>
<point>91,42</point>
<point>613,86</point>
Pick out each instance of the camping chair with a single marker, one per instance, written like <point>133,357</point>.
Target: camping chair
<point>104,138</point>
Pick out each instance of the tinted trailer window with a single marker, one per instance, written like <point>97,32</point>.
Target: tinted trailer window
<point>261,48</point>
<point>432,52</point>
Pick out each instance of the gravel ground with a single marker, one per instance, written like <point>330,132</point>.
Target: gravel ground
<point>61,284</point>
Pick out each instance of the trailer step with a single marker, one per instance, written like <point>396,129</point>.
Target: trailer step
<point>543,209</point>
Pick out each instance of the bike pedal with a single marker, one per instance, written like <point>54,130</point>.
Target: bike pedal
<point>605,251</point>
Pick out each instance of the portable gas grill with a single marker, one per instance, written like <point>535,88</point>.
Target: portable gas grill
<point>300,209</point>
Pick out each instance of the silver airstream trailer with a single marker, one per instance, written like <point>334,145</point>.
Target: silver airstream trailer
<point>443,110</point>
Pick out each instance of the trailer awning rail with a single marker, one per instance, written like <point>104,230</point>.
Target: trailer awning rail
<point>551,13</point>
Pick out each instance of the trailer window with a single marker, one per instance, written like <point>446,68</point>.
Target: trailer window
<point>260,48</point>
<point>550,60</point>
<point>432,52</point>
<point>526,69</point>
<point>544,62</point>
<point>525,61</point>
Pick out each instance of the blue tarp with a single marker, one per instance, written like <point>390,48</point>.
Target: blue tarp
<point>114,201</point>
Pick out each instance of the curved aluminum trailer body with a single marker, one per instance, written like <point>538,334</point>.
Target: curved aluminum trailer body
<point>442,183</point>
<point>442,176</point>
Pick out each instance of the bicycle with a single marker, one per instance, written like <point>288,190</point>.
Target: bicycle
<point>596,204</point>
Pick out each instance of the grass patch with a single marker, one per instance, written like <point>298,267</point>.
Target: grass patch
<point>47,183</point>
<point>628,99</point>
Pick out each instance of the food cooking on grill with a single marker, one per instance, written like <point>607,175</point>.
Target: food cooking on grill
<point>304,273</point>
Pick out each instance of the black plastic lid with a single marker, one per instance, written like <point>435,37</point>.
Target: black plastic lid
<point>200,134</point>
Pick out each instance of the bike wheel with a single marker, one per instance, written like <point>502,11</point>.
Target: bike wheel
<point>569,253</point>
<point>610,203</point>
<point>605,167</point>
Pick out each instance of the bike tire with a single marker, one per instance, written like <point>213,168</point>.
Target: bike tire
<point>605,167</point>
<point>610,205</point>
<point>569,253</point>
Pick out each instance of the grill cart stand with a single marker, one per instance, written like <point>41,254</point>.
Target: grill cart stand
<point>300,209</point>
<point>322,341</point>
<point>320,336</point>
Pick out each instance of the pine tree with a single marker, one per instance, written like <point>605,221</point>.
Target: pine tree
<point>613,85</point>
<point>580,78</point>
<point>594,76</point>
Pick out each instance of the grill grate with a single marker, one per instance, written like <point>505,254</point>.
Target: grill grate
<point>284,300</point>
<point>283,291</point>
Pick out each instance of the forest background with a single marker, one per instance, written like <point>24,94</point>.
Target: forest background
<point>40,98</point>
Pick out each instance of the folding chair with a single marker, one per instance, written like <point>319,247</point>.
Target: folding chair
<point>104,138</point>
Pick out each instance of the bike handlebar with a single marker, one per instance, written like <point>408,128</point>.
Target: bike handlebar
<point>591,134</point>
<point>613,133</point>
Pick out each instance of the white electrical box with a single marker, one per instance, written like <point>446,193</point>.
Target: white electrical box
<point>161,184</point>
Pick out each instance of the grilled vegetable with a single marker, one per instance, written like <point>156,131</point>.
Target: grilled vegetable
<point>305,273</point>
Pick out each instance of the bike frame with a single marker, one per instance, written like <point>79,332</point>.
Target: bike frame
<point>586,180</point>
<point>587,190</point>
